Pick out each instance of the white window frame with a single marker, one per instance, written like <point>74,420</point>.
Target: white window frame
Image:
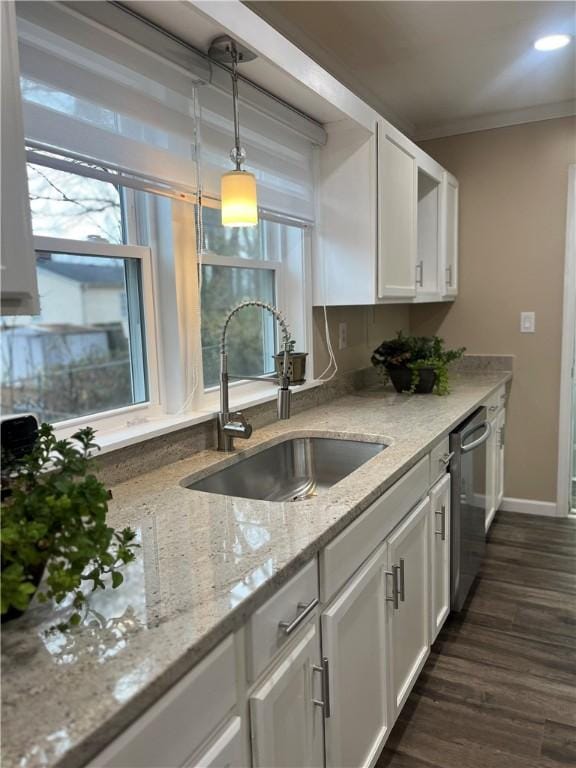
<point>296,306</point>
<point>122,416</point>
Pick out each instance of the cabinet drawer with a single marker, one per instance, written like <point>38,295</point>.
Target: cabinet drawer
<point>172,729</point>
<point>439,460</point>
<point>347,552</point>
<point>495,402</point>
<point>264,635</point>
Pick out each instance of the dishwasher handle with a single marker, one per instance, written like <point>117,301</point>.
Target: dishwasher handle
<point>482,439</point>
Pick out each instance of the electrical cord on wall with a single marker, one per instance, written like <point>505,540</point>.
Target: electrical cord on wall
<point>332,362</point>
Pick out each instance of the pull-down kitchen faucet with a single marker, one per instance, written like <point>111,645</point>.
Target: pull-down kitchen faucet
<point>233,424</point>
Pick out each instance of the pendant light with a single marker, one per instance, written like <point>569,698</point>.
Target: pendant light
<point>237,187</point>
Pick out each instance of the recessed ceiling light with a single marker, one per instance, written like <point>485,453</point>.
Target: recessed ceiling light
<point>552,42</point>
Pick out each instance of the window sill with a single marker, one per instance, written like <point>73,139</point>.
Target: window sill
<point>149,427</point>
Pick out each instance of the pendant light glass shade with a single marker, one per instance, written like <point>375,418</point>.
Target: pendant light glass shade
<point>239,200</point>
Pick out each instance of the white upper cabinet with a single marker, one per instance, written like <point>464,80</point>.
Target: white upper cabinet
<point>19,285</point>
<point>397,187</point>
<point>428,227</point>
<point>344,263</point>
<point>449,236</point>
<point>387,220</point>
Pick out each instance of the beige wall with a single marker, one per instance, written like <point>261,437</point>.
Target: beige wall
<point>513,185</point>
<point>367,328</point>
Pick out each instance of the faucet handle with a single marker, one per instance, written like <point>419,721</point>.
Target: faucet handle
<point>237,426</point>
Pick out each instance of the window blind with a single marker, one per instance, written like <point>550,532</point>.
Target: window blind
<point>89,90</point>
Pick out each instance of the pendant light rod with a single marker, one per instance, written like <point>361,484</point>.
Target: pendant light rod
<point>237,148</point>
<point>225,50</point>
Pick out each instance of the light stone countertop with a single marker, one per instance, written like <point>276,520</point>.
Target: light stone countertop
<point>206,562</point>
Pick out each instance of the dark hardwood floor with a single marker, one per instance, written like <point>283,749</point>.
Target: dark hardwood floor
<point>499,688</point>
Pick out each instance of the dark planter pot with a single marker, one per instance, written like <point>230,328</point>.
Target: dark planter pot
<point>401,378</point>
<point>36,574</point>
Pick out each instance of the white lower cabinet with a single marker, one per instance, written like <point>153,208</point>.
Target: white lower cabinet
<point>499,461</point>
<point>439,555</point>
<point>355,646</point>
<point>227,751</point>
<point>408,624</point>
<point>495,456</point>
<point>286,724</point>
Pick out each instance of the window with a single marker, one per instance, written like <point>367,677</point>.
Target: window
<point>85,353</point>
<point>240,264</point>
<point>120,136</point>
<point>74,207</point>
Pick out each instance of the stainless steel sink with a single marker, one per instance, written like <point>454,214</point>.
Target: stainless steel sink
<point>293,470</point>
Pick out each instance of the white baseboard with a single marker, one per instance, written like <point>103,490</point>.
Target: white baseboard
<point>530,507</point>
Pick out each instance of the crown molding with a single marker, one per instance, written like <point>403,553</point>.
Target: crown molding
<point>497,120</point>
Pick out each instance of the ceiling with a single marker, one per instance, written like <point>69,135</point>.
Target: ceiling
<point>439,68</point>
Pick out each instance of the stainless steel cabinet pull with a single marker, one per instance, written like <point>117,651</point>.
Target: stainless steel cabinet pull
<point>446,458</point>
<point>493,408</point>
<point>420,274</point>
<point>502,437</point>
<point>401,580</point>
<point>305,608</point>
<point>449,275</point>
<point>325,702</point>
<point>395,599</point>
<point>442,531</point>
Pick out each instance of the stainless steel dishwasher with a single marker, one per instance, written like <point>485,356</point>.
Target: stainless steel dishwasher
<point>468,513</point>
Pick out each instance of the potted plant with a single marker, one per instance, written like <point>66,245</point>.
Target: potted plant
<point>296,363</point>
<point>416,363</point>
<point>54,536</point>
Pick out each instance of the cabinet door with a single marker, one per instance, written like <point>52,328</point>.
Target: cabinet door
<point>19,285</point>
<point>500,438</point>
<point>428,228</point>
<point>354,644</point>
<point>449,241</point>
<point>226,751</point>
<point>439,555</point>
<point>491,473</point>
<point>397,180</point>
<point>286,725</point>
<point>408,623</point>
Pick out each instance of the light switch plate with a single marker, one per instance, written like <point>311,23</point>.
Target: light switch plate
<point>527,322</point>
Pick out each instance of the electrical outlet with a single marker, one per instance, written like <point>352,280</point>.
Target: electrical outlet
<point>527,322</point>
<point>342,335</point>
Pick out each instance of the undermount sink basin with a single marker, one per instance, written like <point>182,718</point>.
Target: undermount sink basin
<point>292,470</point>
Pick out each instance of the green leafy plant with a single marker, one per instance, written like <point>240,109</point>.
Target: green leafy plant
<point>417,353</point>
<point>54,523</point>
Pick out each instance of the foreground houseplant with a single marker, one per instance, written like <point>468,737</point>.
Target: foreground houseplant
<point>54,536</point>
<point>416,363</point>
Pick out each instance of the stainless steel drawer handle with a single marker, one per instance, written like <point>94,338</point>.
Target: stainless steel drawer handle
<point>395,599</point>
<point>442,513</point>
<point>401,584</point>
<point>324,703</point>
<point>449,275</point>
<point>446,458</point>
<point>305,609</point>
<point>493,408</point>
